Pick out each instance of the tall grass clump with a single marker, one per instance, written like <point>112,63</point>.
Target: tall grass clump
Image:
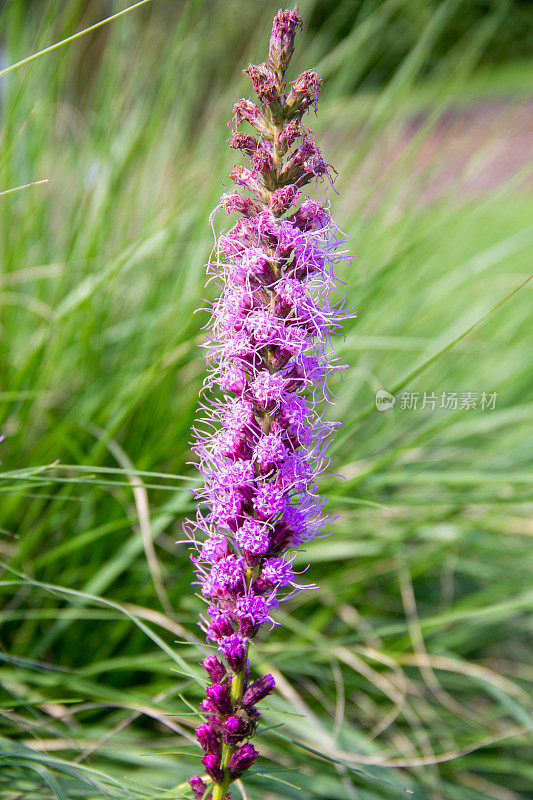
<point>410,663</point>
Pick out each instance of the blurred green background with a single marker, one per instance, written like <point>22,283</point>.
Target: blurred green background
<point>413,661</point>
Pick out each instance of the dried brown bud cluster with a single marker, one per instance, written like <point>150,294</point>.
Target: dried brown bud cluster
<point>272,180</point>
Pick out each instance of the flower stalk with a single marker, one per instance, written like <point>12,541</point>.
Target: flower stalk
<point>261,440</point>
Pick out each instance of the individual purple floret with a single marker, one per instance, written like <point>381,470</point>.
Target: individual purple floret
<point>261,436</point>
<point>234,650</point>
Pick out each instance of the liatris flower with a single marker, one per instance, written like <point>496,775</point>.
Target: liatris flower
<point>262,440</point>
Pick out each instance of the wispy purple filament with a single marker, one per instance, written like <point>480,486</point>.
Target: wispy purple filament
<point>261,437</point>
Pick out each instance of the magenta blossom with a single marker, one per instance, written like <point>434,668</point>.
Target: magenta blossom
<point>261,437</point>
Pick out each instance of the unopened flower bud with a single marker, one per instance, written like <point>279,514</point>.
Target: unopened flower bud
<point>210,713</point>
<point>211,763</point>
<point>241,760</point>
<point>219,627</point>
<point>282,199</point>
<point>208,738</point>
<point>219,697</point>
<point>258,690</point>
<point>198,787</point>
<point>233,730</point>
<point>244,142</point>
<point>214,668</point>
<point>304,92</point>
<point>284,28</point>
<point>264,82</point>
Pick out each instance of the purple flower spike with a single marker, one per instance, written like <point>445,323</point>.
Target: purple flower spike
<point>261,437</point>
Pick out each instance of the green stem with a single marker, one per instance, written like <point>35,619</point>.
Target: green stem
<point>221,789</point>
<point>237,684</point>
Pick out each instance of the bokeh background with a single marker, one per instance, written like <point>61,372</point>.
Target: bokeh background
<point>413,661</point>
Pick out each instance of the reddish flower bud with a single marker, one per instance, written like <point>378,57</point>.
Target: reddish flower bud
<point>306,150</point>
<point>284,28</point>
<point>210,713</point>
<point>234,651</point>
<point>211,763</point>
<point>244,142</point>
<point>245,177</point>
<point>246,111</point>
<point>235,203</point>
<point>262,160</point>
<point>214,668</point>
<point>233,730</point>
<point>282,199</point>
<point>198,787</point>
<point>291,132</point>
<point>304,92</point>
<point>241,725</point>
<point>219,627</point>
<point>241,760</point>
<point>307,82</point>
<point>312,215</point>
<point>264,82</point>
<point>219,697</point>
<point>208,738</point>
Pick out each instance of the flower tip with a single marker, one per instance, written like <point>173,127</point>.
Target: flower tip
<point>284,27</point>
